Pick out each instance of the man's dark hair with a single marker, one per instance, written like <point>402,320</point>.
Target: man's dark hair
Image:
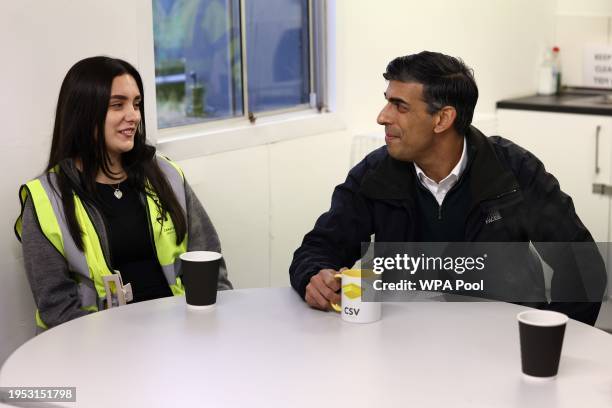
<point>446,81</point>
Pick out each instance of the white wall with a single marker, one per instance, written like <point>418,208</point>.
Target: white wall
<point>261,199</point>
<point>577,25</point>
<point>40,40</point>
<point>499,39</point>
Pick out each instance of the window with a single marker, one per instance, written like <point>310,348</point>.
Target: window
<point>220,59</point>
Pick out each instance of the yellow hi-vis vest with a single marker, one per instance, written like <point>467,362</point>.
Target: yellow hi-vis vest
<point>90,265</point>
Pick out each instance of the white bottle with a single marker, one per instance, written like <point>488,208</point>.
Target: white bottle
<point>556,60</point>
<point>547,78</point>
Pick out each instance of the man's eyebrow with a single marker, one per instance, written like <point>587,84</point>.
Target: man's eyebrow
<point>396,100</point>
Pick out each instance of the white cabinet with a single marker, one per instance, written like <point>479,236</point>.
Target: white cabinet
<point>576,149</point>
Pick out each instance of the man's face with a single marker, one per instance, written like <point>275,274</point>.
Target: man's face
<point>408,126</point>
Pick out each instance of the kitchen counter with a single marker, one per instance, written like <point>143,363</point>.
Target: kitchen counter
<point>573,100</point>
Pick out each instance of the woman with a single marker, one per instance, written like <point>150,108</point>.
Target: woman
<point>107,202</point>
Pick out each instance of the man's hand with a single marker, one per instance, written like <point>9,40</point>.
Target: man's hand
<point>321,290</point>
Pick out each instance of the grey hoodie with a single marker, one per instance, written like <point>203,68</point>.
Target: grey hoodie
<point>54,289</point>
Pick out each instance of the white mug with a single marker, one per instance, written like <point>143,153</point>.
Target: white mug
<point>352,308</point>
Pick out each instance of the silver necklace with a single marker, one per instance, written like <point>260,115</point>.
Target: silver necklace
<point>118,193</point>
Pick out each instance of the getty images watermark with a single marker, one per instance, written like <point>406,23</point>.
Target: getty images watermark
<point>506,271</point>
<point>413,264</point>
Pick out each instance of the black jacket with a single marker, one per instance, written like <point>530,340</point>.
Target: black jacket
<point>377,199</point>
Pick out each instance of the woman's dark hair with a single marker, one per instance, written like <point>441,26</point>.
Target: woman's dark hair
<point>446,81</point>
<point>78,133</point>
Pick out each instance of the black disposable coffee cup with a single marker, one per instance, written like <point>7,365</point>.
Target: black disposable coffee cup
<point>541,334</point>
<point>200,273</point>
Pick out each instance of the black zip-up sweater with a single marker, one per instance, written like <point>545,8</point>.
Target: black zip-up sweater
<point>378,198</point>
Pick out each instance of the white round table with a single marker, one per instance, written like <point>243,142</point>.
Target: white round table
<point>267,348</point>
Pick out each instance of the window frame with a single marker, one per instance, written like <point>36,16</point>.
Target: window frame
<point>225,134</point>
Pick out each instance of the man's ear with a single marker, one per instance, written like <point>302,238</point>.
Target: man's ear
<point>445,118</point>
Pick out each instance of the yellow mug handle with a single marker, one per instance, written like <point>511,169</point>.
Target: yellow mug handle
<point>336,306</point>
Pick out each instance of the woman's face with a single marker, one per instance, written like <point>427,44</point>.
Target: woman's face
<point>122,117</point>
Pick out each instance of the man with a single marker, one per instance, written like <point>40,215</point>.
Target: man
<point>439,179</point>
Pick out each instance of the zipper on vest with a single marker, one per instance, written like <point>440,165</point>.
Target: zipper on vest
<point>440,212</point>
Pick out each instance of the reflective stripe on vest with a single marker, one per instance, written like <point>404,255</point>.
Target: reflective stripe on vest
<point>47,205</point>
<point>90,265</point>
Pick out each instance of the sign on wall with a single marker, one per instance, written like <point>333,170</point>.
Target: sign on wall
<point>597,67</point>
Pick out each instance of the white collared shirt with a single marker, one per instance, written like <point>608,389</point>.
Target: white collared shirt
<point>440,189</point>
